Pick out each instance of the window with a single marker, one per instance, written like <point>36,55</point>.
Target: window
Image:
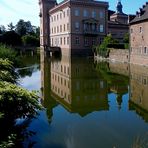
<point>54,29</point>
<point>67,12</point>
<point>57,17</point>
<point>64,41</point>
<point>86,27</point>
<point>101,14</point>
<point>131,30</point>
<point>145,50</point>
<point>93,27</point>
<point>67,26</point>
<point>77,41</point>
<point>93,41</point>
<point>77,26</point>
<point>51,41</point>
<point>76,12</point>
<point>54,18</point>
<point>60,15</point>
<point>101,28</point>
<point>57,29</point>
<point>85,13</point>
<point>140,30</point>
<point>61,40</point>
<point>86,42</point>
<point>60,28</point>
<point>64,28</point>
<point>67,40</point>
<point>93,14</point>
<point>64,13</point>
<point>61,68</point>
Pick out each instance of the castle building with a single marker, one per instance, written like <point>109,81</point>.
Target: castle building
<point>139,37</point>
<point>118,24</point>
<point>73,25</point>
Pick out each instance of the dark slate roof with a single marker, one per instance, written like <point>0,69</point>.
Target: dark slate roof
<point>116,23</point>
<point>142,15</point>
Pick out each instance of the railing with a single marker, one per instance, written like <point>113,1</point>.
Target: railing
<point>91,32</point>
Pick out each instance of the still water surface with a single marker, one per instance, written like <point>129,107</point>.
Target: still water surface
<point>88,104</point>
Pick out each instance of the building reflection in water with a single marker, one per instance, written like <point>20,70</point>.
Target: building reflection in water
<point>139,90</point>
<point>80,85</point>
<point>77,86</point>
<point>48,102</point>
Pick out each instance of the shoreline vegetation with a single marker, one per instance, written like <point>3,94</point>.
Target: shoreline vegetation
<point>15,101</point>
<point>108,43</point>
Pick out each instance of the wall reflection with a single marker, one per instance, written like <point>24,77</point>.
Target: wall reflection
<point>139,90</point>
<point>80,85</point>
<point>77,86</point>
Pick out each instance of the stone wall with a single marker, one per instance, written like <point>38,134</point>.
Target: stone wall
<point>121,55</point>
<point>119,68</point>
<point>139,43</point>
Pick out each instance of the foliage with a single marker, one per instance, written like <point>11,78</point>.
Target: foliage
<point>11,27</point>
<point>30,40</point>
<point>15,103</point>
<point>126,38</point>
<point>9,53</point>
<point>13,35</point>
<point>126,41</point>
<point>2,29</point>
<point>7,72</point>
<point>23,28</point>
<point>126,45</point>
<point>102,50</point>
<point>11,38</point>
<point>14,98</point>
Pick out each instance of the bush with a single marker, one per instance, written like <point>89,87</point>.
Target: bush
<point>15,102</point>
<point>103,50</point>
<point>7,72</point>
<point>10,54</point>
<point>30,40</point>
<point>126,45</point>
<point>11,38</point>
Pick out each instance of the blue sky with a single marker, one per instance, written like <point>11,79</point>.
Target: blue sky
<point>13,10</point>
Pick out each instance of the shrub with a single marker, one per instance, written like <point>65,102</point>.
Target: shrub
<point>30,40</point>
<point>10,54</point>
<point>103,50</point>
<point>11,38</point>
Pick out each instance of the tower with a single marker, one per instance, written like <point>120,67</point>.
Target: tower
<point>119,7</point>
<point>45,6</point>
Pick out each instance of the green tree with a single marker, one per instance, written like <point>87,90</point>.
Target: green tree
<point>29,27</point>
<point>11,38</point>
<point>24,28</point>
<point>11,27</point>
<point>126,38</point>
<point>20,27</point>
<point>15,103</point>
<point>102,50</point>
<point>30,40</point>
<point>9,53</point>
<point>2,29</point>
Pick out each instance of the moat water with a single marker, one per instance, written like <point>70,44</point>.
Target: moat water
<point>88,104</point>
